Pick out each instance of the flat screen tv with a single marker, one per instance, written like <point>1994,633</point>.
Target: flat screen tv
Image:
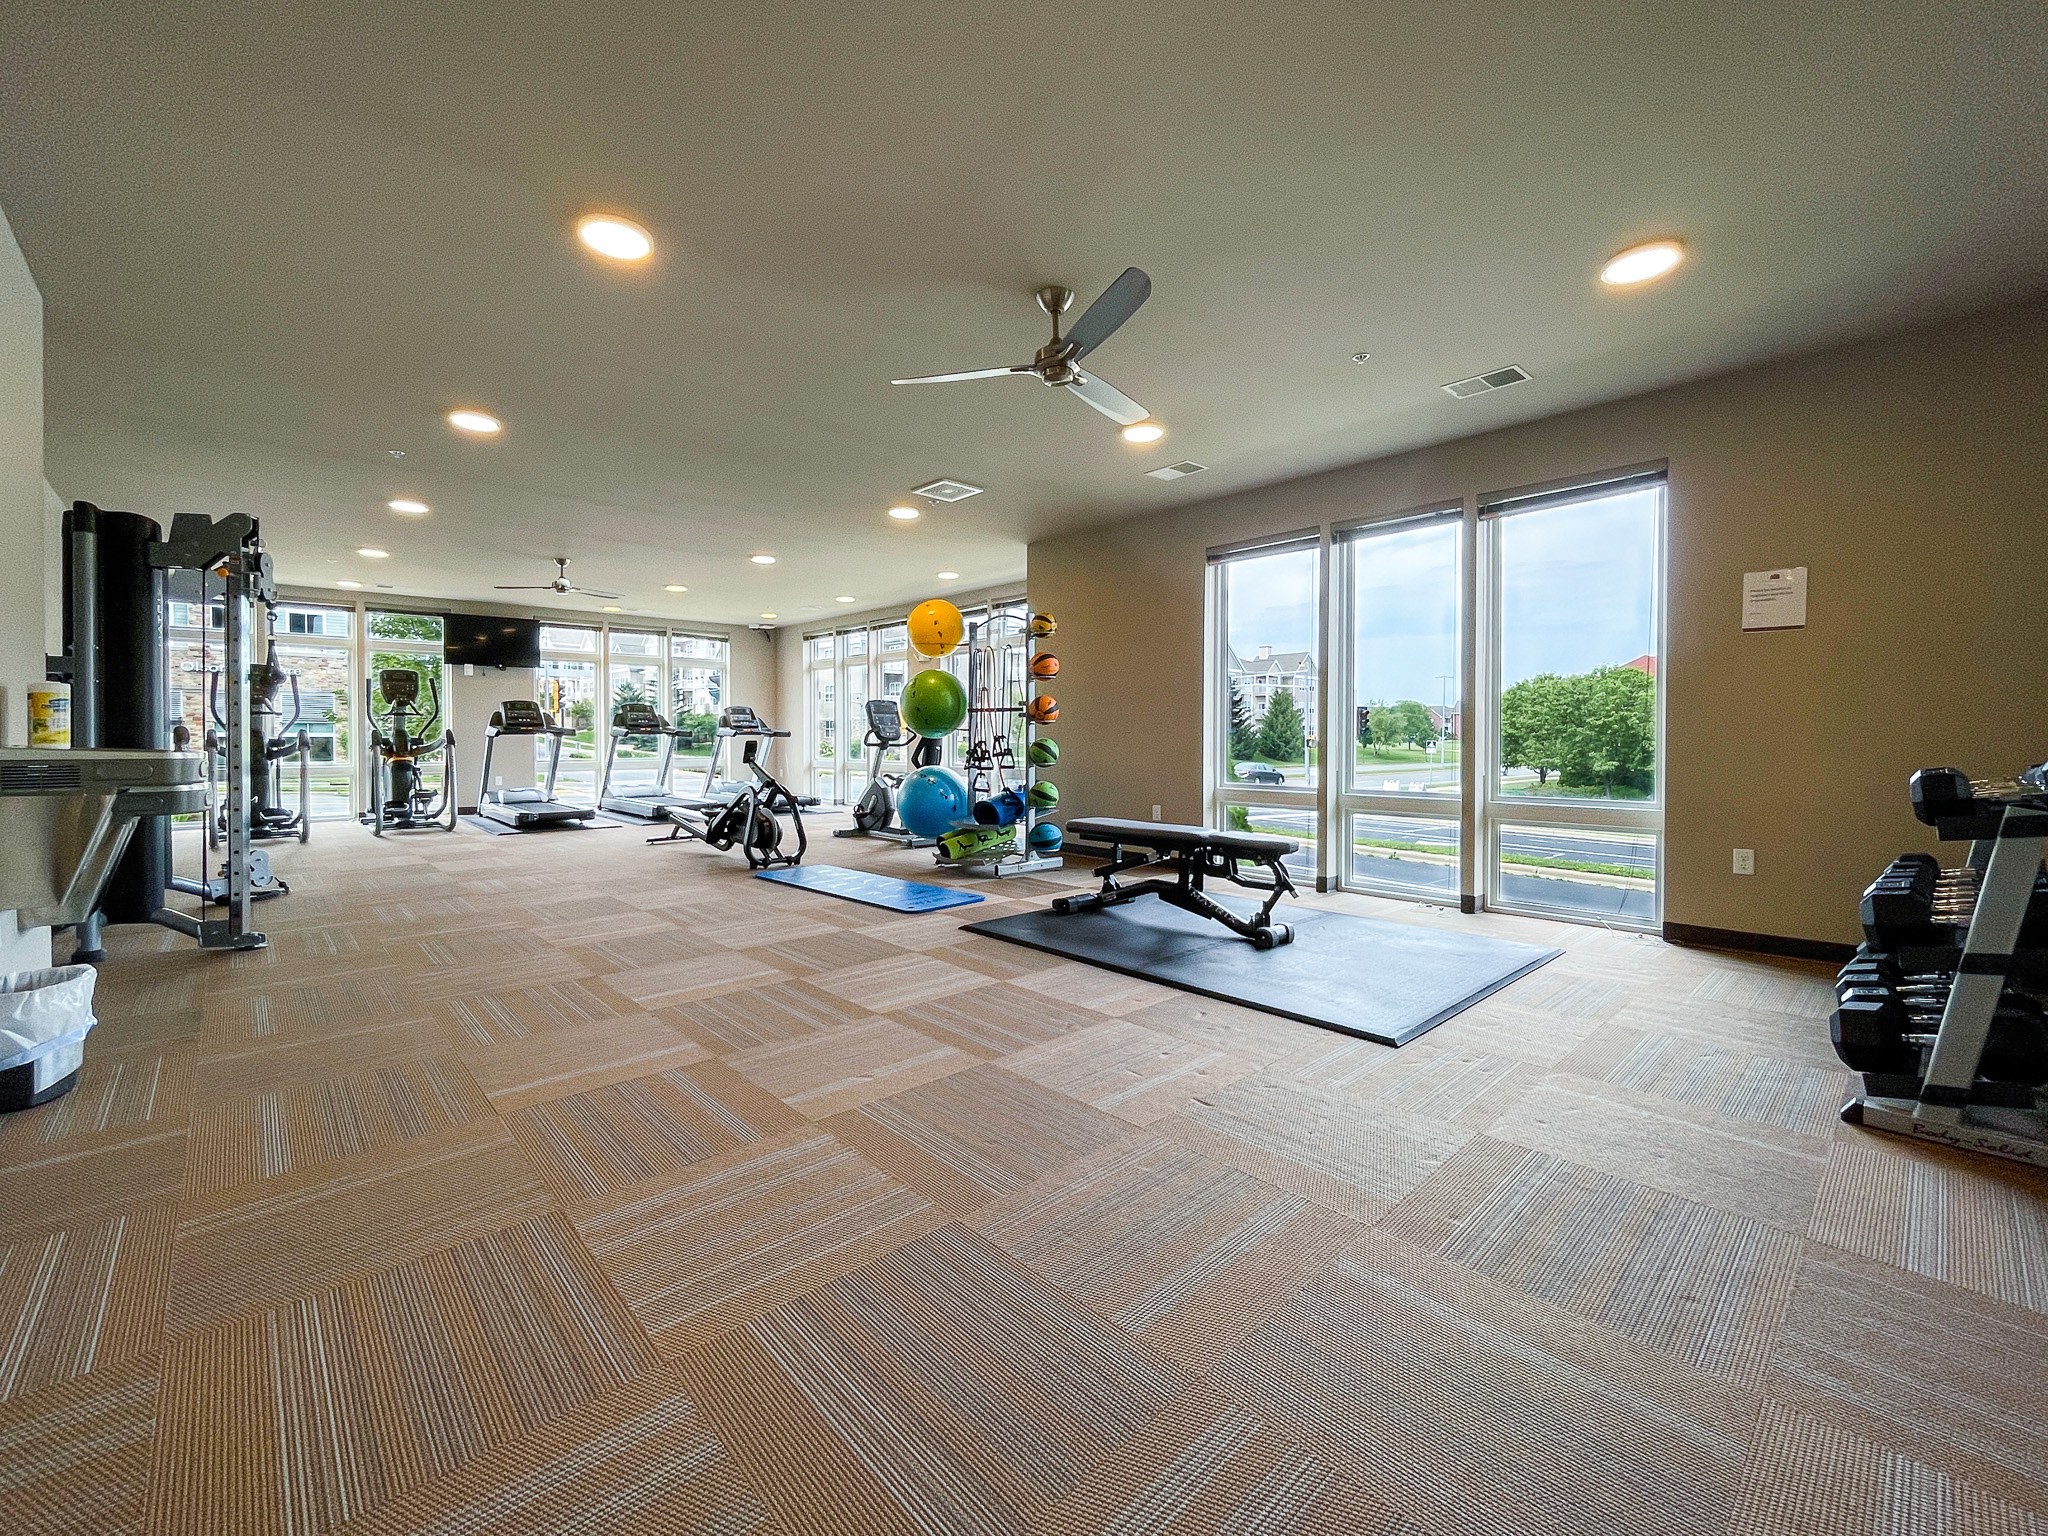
<point>486,640</point>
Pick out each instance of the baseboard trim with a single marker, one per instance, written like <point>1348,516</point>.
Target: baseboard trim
<point>1696,937</point>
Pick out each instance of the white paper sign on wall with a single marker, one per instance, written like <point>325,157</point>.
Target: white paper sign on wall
<point>1774,599</point>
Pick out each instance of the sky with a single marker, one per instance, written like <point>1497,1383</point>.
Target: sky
<point>1577,593</point>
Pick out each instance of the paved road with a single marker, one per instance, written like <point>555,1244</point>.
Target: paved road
<point>1632,850</point>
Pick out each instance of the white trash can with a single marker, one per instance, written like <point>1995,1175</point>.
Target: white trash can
<point>44,1019</point>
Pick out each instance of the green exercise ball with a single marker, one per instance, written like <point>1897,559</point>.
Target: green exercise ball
<point>1043,752</point>
<point>1044,795</point>
<point>933,703</point>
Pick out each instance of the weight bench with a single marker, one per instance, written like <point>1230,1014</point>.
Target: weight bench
<point>1196,853</point>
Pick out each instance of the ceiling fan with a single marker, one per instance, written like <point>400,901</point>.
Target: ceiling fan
<point>561,586</point>
<point>1054,364</point>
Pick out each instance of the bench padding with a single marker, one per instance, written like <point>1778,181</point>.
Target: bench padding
<point>1175,837</point>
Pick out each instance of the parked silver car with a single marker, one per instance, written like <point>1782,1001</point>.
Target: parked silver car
<point>1257,773</point>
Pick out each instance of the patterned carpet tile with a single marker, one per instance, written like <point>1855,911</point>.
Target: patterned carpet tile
<point>221,1071</point>
<point>765,1015</point>
<point>1316,1145</point>
<point>826,1074</point>
<point>1951,1378</point>
<point>609,952</point>
<point>81,1297</point>
<point>793,928</point>
<point>1091,987</point>
<point>1534,1421</point>
<point>1186,1254</point>
<point>85,1183</point>
<point>895,980</point>
<point>260,1135</point>
<point>682,981</point>
<point>497,1018</point>
<point>1730,1081</point>
<point>974,1134</point>
<point>588,1145</point>
<point>1762,987</point>
<point>1204,1466</point>
<point>296,1418</point>
<point>1805,1475</point>
<point>275,1011</point>
<point>1661,1010</point>
<point>743,1232</point>
<point>997,1020</point>
<point>564,1061</point>
<point>74,1458</point>
<point>1702,1285</point>
<point>1260,1037</point>
<point>960,1386</point>
<point>1754,1170</point>
<point>1942,1214</point>
<point>1127,1070</point>
<point>1002,962</point>
<point>119,1091</point>
<point>255,1245</point>
<point>1430,1079</point>
<point>639,1462</point>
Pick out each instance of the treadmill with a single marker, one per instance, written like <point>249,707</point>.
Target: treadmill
<point>526,810</point>
<point>643,802</point>
<point>737,722</point>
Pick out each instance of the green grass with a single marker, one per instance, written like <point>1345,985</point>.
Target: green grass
<point>1576,866</point>
<point>1372,757</point>
<point>1556,791</point>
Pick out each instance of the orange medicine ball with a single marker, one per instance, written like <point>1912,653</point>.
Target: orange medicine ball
<point>1043,710</point>
<point>1045,664</point>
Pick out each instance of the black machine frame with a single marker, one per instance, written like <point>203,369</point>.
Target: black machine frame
<point>750,820</point>
<point>398,801</point>
<point>1197,854</point>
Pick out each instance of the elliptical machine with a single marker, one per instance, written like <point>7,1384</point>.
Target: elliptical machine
<point>399,795</point>
<point>874,814</point>
<point>264,817</point>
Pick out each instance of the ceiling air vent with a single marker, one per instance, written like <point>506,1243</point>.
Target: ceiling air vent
<point>947,490</point>
<point>1482,383</point>
<point>1178,471</point>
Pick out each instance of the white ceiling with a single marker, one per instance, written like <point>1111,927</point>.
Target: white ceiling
<point>275,245</point>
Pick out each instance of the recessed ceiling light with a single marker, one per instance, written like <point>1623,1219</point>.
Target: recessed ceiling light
<point>396,453</point>
<point>672,587</point>
<point>613,608</point>
<point>620,239</point>
<point>949,575</point>
<point>1361,357</point>
<point>348,584</point>
<point>905,514</point>
<point>1144,432</point>
<point>475,422</point>
<point>842,599</point>
<point>767,615</point>
<point>374,554</point>
<point>1640,263</point>
<point>762,559</point>
<point>407,505</point>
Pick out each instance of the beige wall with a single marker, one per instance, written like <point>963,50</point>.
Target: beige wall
<point>1910,475</point>
<point>23,572</point>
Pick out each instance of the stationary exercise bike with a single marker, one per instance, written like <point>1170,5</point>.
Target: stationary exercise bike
<point>750,820</point>
<point>399,794</point>
<point>874,815</point>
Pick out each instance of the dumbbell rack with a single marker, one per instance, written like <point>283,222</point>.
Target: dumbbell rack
<point>1976,993</point>
<point>1016,858</point>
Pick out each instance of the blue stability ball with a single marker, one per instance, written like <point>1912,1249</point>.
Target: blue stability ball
<point>1046,837</point>
<point>933,801</point>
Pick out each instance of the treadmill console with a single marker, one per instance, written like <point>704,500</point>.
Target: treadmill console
<point>521,717</point>
<point>638,720</point>
<point>739,720</point>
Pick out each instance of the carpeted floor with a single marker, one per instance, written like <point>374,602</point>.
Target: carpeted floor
<point>538,1184</point>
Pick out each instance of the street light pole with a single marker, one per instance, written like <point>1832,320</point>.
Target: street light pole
<point>1443,714</point>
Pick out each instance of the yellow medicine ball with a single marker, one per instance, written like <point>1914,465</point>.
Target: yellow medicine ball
<point>935,627</point>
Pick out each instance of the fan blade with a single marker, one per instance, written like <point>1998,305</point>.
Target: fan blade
<point>610,597</point>
<point>1118,302</point>
<point>1108,399</point>
<point>976,373</point>
<point>502,588</point>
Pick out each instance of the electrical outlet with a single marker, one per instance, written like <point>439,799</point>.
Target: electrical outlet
<point>1745,861</point>
<point>1155,813</point>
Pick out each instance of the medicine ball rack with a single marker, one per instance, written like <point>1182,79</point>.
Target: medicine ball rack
<point>990,759</point>
<point>1941,1010</point>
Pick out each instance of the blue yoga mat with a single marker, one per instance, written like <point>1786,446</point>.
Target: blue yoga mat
<point>874,890</point>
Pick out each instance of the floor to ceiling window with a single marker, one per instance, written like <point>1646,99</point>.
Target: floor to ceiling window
<point>314,644</point>
<point>1266,756</point>
<point>1573,804</point>
<point>1552,802</point>
<point>410,642</point>
<point>633,680</point>
<point>1399,583</point>
<point>697,692</point>
<point>568,689</point>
